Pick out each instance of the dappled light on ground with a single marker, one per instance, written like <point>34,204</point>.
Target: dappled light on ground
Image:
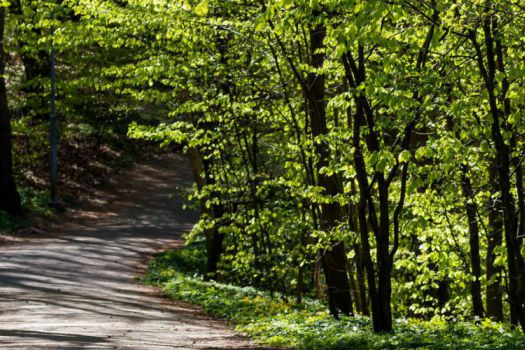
<point>78,288</point>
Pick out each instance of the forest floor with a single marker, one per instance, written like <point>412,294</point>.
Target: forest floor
<point>75,285</point>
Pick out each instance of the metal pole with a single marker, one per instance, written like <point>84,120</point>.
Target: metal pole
<point>53,134</point>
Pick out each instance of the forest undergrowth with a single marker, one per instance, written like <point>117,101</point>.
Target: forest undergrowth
<point>278,321</point>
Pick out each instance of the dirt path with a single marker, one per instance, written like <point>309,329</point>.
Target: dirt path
<point>77,289</point>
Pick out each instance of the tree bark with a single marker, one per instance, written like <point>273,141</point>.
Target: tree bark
<point>489,63</point>
<point>334,259</point>
<point>9,198</point>
<point>494,298</point>
<point>380,291</point>
<point>358,283</point>
<point>214,239</point>
<point>475,260</point>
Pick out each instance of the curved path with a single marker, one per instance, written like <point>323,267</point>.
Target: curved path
<point>78,288</point>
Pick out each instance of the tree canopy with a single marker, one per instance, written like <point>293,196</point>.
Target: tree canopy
<point>369,152</point>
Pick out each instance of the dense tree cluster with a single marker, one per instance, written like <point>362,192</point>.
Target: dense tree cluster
<point>369,151</point>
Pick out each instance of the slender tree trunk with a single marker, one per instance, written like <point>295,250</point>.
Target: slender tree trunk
<point>495,57</point>
<point>197,166</point>
<point>214,238</point>
<point>301,267</point>
<point>380,293</point>
<point>316,278</point>
<point>494,299</point>
<point>334,259</point>
<point>361,284</point>
<point>384,280</point>
<point>9,197</point>
<point>513,253</point>
<point>357,282</point>
<point>488,67</point>
<point>475,260</point>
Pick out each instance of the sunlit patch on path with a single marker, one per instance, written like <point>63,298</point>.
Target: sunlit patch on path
<point>77,289</point>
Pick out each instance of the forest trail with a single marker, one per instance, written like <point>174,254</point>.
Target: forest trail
<point>78,288</point>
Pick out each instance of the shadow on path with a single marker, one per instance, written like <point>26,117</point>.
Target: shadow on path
<point>77,289</point>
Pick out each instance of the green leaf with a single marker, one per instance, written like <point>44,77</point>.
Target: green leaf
<point>202,8</point>
<point>404,156</point>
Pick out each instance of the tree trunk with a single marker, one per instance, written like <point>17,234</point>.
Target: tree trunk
<point>334,259</point>
<point>380,293</point>
<point>475,260</point>
<point>494,301</point>
<point>383,322</point>
<point>363,304</point>
<point>9,198</point>
<point>214,239</point>
<point>358,283</point>
<point>488,70</point>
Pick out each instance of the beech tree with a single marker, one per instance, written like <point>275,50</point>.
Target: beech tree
<point>364,152</point>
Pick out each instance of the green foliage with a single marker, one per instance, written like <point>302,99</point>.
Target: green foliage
<point>190,260</point>
<point>9,223</point>
<point>277,322</point>
<point>230,83</point>
<point>33,201</point>
<point>36,201</point>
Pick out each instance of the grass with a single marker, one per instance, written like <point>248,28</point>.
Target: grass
<point>276,322</point>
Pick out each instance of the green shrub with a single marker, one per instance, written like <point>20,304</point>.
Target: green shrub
<point>9,223</point>
<point>33,201</point>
